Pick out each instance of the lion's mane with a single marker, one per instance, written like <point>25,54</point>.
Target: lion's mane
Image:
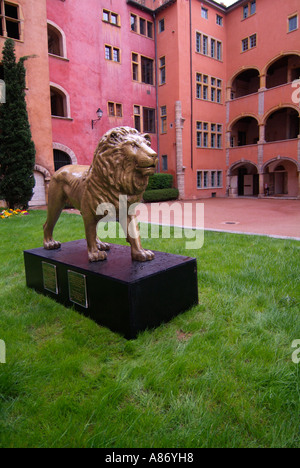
<point>113,172</point>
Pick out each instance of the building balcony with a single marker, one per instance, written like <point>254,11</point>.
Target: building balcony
<point>245,105</point>
<point>282,149</point>
<point>243,153</point>
<point>279,94</point>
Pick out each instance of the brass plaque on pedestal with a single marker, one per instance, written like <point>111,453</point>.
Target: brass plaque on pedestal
<point>77,289</point>
<point>50,277</point>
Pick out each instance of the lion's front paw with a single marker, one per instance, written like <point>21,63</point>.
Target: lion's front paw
<point>52,245</point>
<point>102,245</point>
<point>97,256</point>
<point>142,255</point>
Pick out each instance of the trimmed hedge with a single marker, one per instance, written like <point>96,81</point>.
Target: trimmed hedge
<point>161,195</point>
<point>160,181</point>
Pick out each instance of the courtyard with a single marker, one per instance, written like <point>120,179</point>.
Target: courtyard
<point>219,375</point>
<point>269,217</point>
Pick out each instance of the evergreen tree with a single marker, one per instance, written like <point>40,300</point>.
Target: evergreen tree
<point>17,150</point>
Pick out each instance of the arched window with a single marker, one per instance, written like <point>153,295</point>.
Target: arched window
<point>58,107</point>
<point>61,159</point>
<point>54,41</point>
<point>57,44</point>
<point>60,102</point>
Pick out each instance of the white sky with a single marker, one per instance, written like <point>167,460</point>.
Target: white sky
<point>227,2</point>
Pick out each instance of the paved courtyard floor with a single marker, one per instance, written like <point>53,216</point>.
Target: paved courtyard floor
<point>270,217</point>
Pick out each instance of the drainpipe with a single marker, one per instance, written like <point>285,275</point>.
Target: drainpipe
<point>192,87</point>
<point>156,90</point>
<point>179,122</point>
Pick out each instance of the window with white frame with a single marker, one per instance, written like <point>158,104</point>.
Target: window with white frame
<point>219,20</point>
<point>209,179</point>
<point>249,9</point>
<point>209,135</point>
<point>163,119</point>
<point>249,42</point>
<point>204,13</point>
<point>293,23</point>
<point>162,70</point>
<point>208,88</point>
<point>111,18</point>
<point>209,46</point>
<point>164,162</point>
<point>115,109</point>
<point>112,53</point>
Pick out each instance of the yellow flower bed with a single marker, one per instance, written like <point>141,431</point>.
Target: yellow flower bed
<point>9,213</point>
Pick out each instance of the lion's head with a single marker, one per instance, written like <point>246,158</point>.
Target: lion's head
<point>124,160</point>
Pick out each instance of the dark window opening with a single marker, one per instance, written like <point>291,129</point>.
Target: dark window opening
<point>142,26</point>
<point>164,162</point>
<point>147,70</point>
<point>54,42</point>
<point>11,11</point>
<point>245,132</point>
<point>149,120</point>
<point>9,22</point>
<point>245,83</point>
<point>58,107</point>
<point>282,125</point>
<point>12,28</point>
<point>61,159</point>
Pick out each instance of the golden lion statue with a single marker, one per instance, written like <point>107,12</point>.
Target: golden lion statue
<point>122,164</point>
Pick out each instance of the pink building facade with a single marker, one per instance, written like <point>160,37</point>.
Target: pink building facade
<point>213,86</point>
<point>91,69</point>
<point>217,88</point>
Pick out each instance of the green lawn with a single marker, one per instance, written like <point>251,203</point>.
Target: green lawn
<point>220,375</point>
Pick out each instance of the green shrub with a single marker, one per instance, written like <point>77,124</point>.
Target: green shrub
<point>160,181</point>
<point>17,150</point>
<point>161,195</point>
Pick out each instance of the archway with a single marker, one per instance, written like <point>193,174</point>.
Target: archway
<point>244,131</point>
<point>283,70</point>
<point>281,178</point>
<point>244,180</point>
<point>282,124</point>
<point>245,83</point>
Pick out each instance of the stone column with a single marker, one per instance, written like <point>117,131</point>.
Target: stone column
<point>179,122</point>
<point>261,186</point>
<point>263,82</point>
<point>262,136</point>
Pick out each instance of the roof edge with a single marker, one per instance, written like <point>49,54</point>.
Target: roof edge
<point>219,6</point>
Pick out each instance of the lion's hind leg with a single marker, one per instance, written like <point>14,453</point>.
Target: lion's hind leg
<point>56,202</point>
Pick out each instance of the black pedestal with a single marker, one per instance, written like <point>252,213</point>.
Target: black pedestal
<point>125,296</point>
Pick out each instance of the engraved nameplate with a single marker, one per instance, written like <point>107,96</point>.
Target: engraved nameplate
<point>77,289</point>
<point>50,277</point>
